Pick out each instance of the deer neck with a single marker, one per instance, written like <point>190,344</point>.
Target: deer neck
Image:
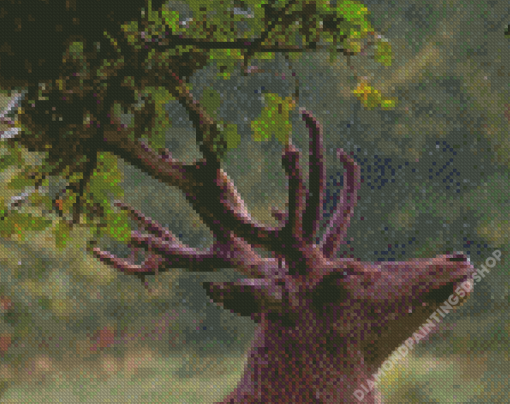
<point>285,366</point>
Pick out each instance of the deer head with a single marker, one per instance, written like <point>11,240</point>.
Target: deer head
<point>325,324</point>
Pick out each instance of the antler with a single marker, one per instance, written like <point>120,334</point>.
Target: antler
<point>341,219</point>
<point>235,253</point>
<point>225,213</point>
<point>205,180</point>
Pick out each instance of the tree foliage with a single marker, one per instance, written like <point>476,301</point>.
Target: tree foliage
<point>85,65</point>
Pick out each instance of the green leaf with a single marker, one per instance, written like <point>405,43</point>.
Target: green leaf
<point>76,49</point>
<point>161,97</point>
<point>372,98</point>
<point>131,29</point>
<point>38,199</point>
<point>153,14</point>
<point>258,17</point>
<point>105,179</point>
<point>274,119</point>
<point>118,225</point>
<point>20,183</point>
<point>226,60</point>
<point>264,55</point>
<point>7,227</point>
<point>62,233</point>
<point>332,54</point>
<point>231,136</point>
<point>211,101</point>
<point>27,222</point>
<point>383,52</point>
<point>171,20</point>
<point>356,13</point>
<point>228,138</point>
<point>6,161</point>
<point>28,176</point>
<point>388,104</point>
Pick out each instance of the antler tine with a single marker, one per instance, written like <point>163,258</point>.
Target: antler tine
<point>234,253</point>
<point>313,210</point>
<point>172,255</point>
<point>225,211</point>
<point>122,264</point>
<point>341,219</point>
<point>279,215</point>
<point>148,224</point>
<point>297,193</point>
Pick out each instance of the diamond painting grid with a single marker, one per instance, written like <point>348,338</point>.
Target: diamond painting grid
<point>435,179</point>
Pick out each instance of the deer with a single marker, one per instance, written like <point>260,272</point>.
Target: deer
<point>325,325</point>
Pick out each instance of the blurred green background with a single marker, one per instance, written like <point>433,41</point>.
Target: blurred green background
<point>435,178</point>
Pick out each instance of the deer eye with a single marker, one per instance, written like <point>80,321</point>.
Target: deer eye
<point>439,295</point>
<point>458,258</point>
<point>287,320</point>
<point>328,292</point>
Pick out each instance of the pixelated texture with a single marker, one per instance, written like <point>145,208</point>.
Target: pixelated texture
<point>341,179</point>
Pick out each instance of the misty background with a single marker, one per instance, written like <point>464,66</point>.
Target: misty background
<point>435,179</point>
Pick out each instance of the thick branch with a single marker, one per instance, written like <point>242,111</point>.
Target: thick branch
<point>87,172</point>
<point>206,128</point>
<point>341,219</point>
<point>249,46</point>
<point>122,264</point>
<point>118,140</point>
<point>274,18</point>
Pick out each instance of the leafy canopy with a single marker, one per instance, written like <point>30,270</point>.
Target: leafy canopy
<point>119,73</point>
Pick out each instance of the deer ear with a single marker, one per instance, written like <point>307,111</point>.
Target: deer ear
<point>248,297</point>
<point>239,299</point>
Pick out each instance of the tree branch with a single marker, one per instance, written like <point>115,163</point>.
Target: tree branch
<point>273,19</point>
<point>206,128</point>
